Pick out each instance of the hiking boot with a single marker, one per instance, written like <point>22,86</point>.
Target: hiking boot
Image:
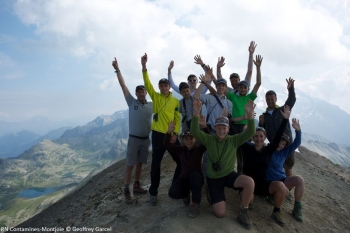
<point>270,200</point>
<point>194,210</point>
<point>137,190</point>
<point>297,212</point>
<point>153,200</point>
<point>128,199</point>
<point>243,218</point>
<point>278,217</point>
<point>187,200</point>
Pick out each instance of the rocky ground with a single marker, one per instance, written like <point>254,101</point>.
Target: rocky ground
<point>100,204</point>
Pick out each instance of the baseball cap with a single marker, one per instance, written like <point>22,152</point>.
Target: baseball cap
<point>234,75</point>
<point>183,85</point>
<point>140,87</point>
<point>221,80</point>
<point>222,121</point>
<point>245,83</point>
<point>163,80</point>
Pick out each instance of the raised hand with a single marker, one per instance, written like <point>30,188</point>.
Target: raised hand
<point>224,112</point>
<point>115,64</point>
<point>258,60</point>
<point>290,82</point>
<point>286,112</point>
<point>197,106</point>
<point>295,124</point>
<point>144,59</point>
<point>171,65</point>
<point>252,47</point>
<point>221,62</point>
<point>171,127</point>
<point>208,73</point>
<point>202,121</point>
<point>249,109</point>
<point>261,120</point>
<point>198,60</point>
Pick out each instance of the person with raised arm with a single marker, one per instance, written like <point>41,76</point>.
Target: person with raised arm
<point>192,81</point>
<point>140,114</point>
<point>238,101</point>
<point>165,109</point>
<point>275,171</point>
<point>191,177</point>
<point>256,160</point>
<point>221,173</point>
<point>234,77</point>
<point>272,118</point>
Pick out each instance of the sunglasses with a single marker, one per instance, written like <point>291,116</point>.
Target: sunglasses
<point>192,80</point>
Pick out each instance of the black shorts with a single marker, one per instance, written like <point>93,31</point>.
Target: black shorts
<point>262,189</point>
<point>289,163</point>
<point>217,186</point>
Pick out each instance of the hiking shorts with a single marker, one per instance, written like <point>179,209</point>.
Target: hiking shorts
<point>217,186</point>
<point>137,151</point>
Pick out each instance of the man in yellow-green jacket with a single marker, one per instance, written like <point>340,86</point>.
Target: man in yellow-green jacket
<point>165,109</point>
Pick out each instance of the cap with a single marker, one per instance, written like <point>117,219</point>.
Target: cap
<point>234,75</point>
<point>221,80</point>
<point>222,121</point>
<point>186,133</point>
<point>183,85</point>
<point>245,83</point>
<point>140,87</point>
<point>163,80</point>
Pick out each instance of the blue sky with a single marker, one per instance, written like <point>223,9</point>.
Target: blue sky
<point>55,56</point>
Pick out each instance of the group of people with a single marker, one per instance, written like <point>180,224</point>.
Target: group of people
<point>217,148</point>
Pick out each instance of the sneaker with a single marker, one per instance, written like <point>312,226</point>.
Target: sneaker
<point>270,199</point>
<point>194,210</point>
<point>153,200</point>
<point>128,199</point>
<point>297,212</point>
<point>243,218</point>
<point>278,217</point>
<point>187,200</point>
<point>137,190</point>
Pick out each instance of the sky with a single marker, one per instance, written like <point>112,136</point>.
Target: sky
<point>55,56</point>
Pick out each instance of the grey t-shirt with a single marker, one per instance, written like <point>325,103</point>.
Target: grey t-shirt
<point>213,107</point>
<point>140,117</point>
<point>186,113</point>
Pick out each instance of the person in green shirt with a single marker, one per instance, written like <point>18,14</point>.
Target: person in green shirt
<point>221,173</point>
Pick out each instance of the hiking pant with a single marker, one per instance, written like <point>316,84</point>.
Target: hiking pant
<point>182,187</point>
<point>157,156</point>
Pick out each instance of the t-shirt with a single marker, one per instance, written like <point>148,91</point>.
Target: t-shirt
<point>140,117</point>
<point>238,103</point>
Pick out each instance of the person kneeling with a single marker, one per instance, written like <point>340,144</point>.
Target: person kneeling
<point>191,177</point>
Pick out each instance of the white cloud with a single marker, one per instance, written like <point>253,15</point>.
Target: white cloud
<point>308,40</point>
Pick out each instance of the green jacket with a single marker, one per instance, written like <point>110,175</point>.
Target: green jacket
<point>223,151</point>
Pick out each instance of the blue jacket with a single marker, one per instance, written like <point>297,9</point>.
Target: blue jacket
<point>275,170</point>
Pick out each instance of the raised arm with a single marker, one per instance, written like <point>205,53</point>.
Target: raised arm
<point>166,142</point>
<point>198,60</point>
<point>276,140</point>
<point>221,63</point>
<point>148,84</point>
<point>291,93</point>
<point>257,62</point>
<point>170,78</point>
<point>199,135</point>
<point>207,84</point>
<point>125,89</point>
<point>251,50</point>
<point>204,79</point>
